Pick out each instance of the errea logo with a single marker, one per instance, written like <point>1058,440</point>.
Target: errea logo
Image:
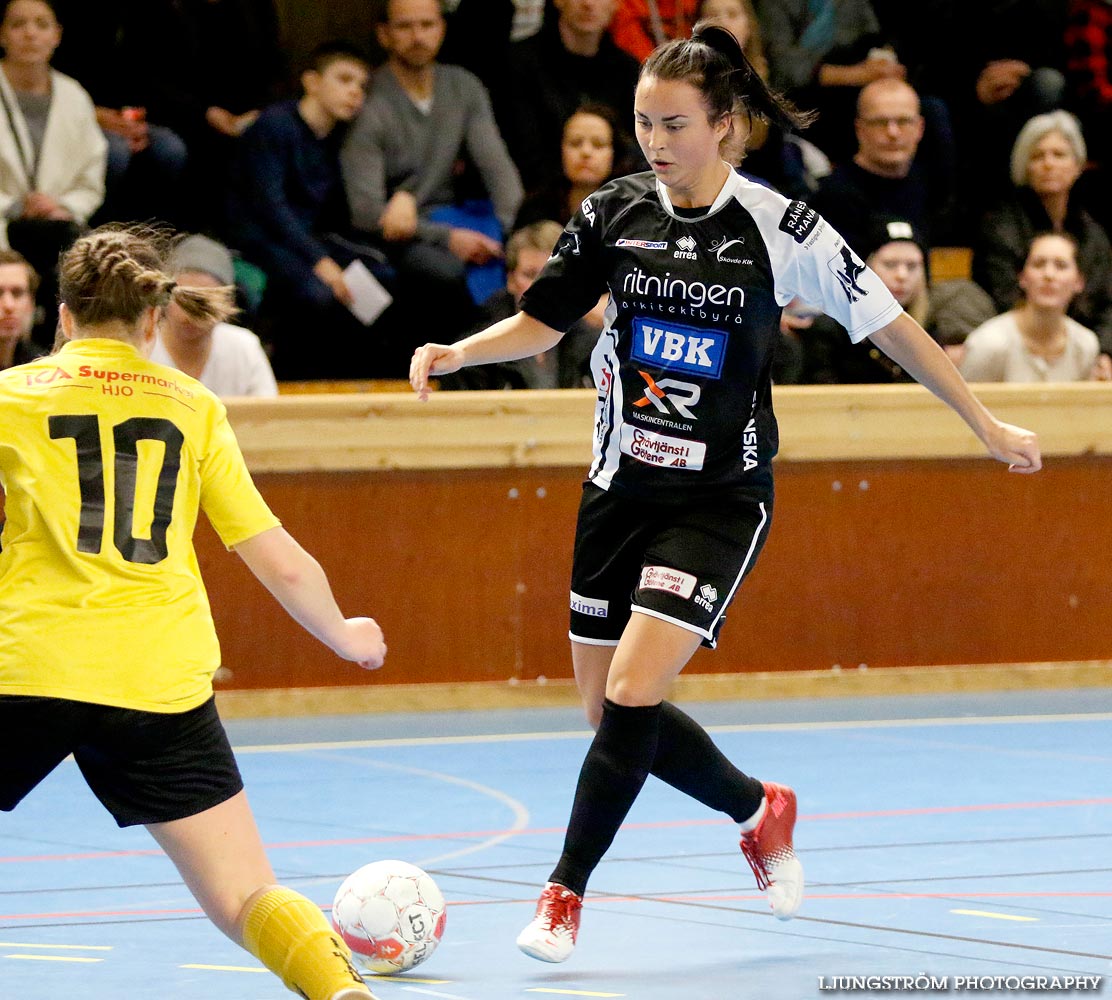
<point>706,597</point>
<point>687,247</point>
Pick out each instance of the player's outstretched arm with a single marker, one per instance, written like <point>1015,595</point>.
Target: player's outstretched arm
<point>911,347</point>
<point>298,583</point>
<point>519,336</point>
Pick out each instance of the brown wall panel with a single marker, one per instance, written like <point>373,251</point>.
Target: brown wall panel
<point>881,563</point>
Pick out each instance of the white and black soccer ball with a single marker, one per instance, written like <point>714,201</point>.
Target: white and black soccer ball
<point>391,914</point>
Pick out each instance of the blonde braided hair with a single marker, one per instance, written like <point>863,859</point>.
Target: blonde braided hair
<point>115,273</point>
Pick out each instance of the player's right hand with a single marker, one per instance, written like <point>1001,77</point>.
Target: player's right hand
<point>430,360</point>
<point>362,643</point>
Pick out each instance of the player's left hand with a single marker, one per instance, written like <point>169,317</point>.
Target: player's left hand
<point>430,360</point>
<point>1016,446</point>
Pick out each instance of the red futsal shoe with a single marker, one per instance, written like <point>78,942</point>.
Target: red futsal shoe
<point>550,935</point>
<point>770,854</point>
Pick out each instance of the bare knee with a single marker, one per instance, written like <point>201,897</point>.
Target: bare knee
<point>593,710</point>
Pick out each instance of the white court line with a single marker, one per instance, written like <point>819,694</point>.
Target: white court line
<point>779,727</point>
<point>520,812</point>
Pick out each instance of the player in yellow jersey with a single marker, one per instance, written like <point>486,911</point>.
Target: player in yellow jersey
<point>107,645</point>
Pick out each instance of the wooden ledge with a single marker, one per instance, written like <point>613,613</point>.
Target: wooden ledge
<point>477,696</point>
<point>461,430</point>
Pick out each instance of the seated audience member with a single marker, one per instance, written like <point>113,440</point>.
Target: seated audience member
<point>568,365</point>
<point>52,153</point>
<point>571,61</point>
<point>820,53</point>
<point>400,165</point>
<point>1006,66</point>
<point>898,253</point>
<point>226,359</point>
<point>208,67</point>
<point>18,283</point>
<point>477,37</point>
<point>884,178</point>
<point>1089,70</point>
<point>288,214</point>
<point>146,160</point>
<point>592,151</point>
<point>639,26</point>
<point>1036,341</point>
<point>1089,79</point>
<point>1047,159</point>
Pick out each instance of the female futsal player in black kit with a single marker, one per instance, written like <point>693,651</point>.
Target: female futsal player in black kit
<point>698,263</point>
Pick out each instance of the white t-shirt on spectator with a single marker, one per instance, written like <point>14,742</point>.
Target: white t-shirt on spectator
<point>996,352</point>
<point>237,364</point>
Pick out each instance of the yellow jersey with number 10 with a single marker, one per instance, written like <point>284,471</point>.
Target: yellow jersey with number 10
<point>105,459</point>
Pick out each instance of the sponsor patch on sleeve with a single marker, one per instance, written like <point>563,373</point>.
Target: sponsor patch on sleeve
<point>798,221</point>
<point>672,581</point>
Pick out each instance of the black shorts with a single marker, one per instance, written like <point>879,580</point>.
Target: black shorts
<point>145,767</point>
<point>681,563</point>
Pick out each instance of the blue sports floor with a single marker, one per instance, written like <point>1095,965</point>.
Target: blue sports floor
<point>957,836</point>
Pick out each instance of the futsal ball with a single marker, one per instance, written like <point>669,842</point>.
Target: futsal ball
<point>391,914</point>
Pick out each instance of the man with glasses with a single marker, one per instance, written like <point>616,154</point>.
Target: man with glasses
<point>885,178</point>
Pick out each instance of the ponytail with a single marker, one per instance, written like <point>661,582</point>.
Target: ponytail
<point>712,61</point>
<point>115,273</point>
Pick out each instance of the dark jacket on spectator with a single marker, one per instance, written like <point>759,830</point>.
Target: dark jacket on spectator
<point>196,54</point>
<point>852,199</point>
<point>1006,233</point>
<point>286,192</point>
<point>546,83</point>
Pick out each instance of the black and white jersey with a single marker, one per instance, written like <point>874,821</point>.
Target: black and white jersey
<point>683,364</point>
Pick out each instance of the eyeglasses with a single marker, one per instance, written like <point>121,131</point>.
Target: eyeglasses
<point>903,121</point>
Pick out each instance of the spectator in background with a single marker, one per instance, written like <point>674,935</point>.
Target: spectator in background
<point>288,214</point>
<point>226,359</point>
<point>1036,341</point>
<point>572,61</point>
<point>1047,159</point>
<point>146,160</point>
<point>898,253</point>
<point>477,37</point>
<point>208,67</point>
<point>1089,70</point>
<point>400,162</point>
<point>1089,77</point>
<point>593,149</point>
<point>639,26</point>
<point>18,284</point>
<point>884,178</point>
<point>566,366</point>
<point>52,153</point>
<point>1006,66</point>
<point>820,53</point>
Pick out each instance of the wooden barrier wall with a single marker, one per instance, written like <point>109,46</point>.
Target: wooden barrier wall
<point>894,542</point>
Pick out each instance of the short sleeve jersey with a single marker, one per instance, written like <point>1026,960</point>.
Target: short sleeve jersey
<point>105,460</point>
<point>683,365</point>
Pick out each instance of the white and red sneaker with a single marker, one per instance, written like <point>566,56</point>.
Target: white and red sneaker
<point>550,935</point>
<point>770,854</point>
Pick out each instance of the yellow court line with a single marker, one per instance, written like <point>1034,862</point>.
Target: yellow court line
<point>996,916</point>
<point>374,977</point>
<point>54,958</point>
<point>63,947</point>
<point>226,968</point>
<point>572,993</point>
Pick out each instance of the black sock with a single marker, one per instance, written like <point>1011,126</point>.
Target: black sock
<point>688,760</point>
<point>612,775</point>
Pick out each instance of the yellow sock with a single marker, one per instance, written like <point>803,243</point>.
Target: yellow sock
<point>292,938</point>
